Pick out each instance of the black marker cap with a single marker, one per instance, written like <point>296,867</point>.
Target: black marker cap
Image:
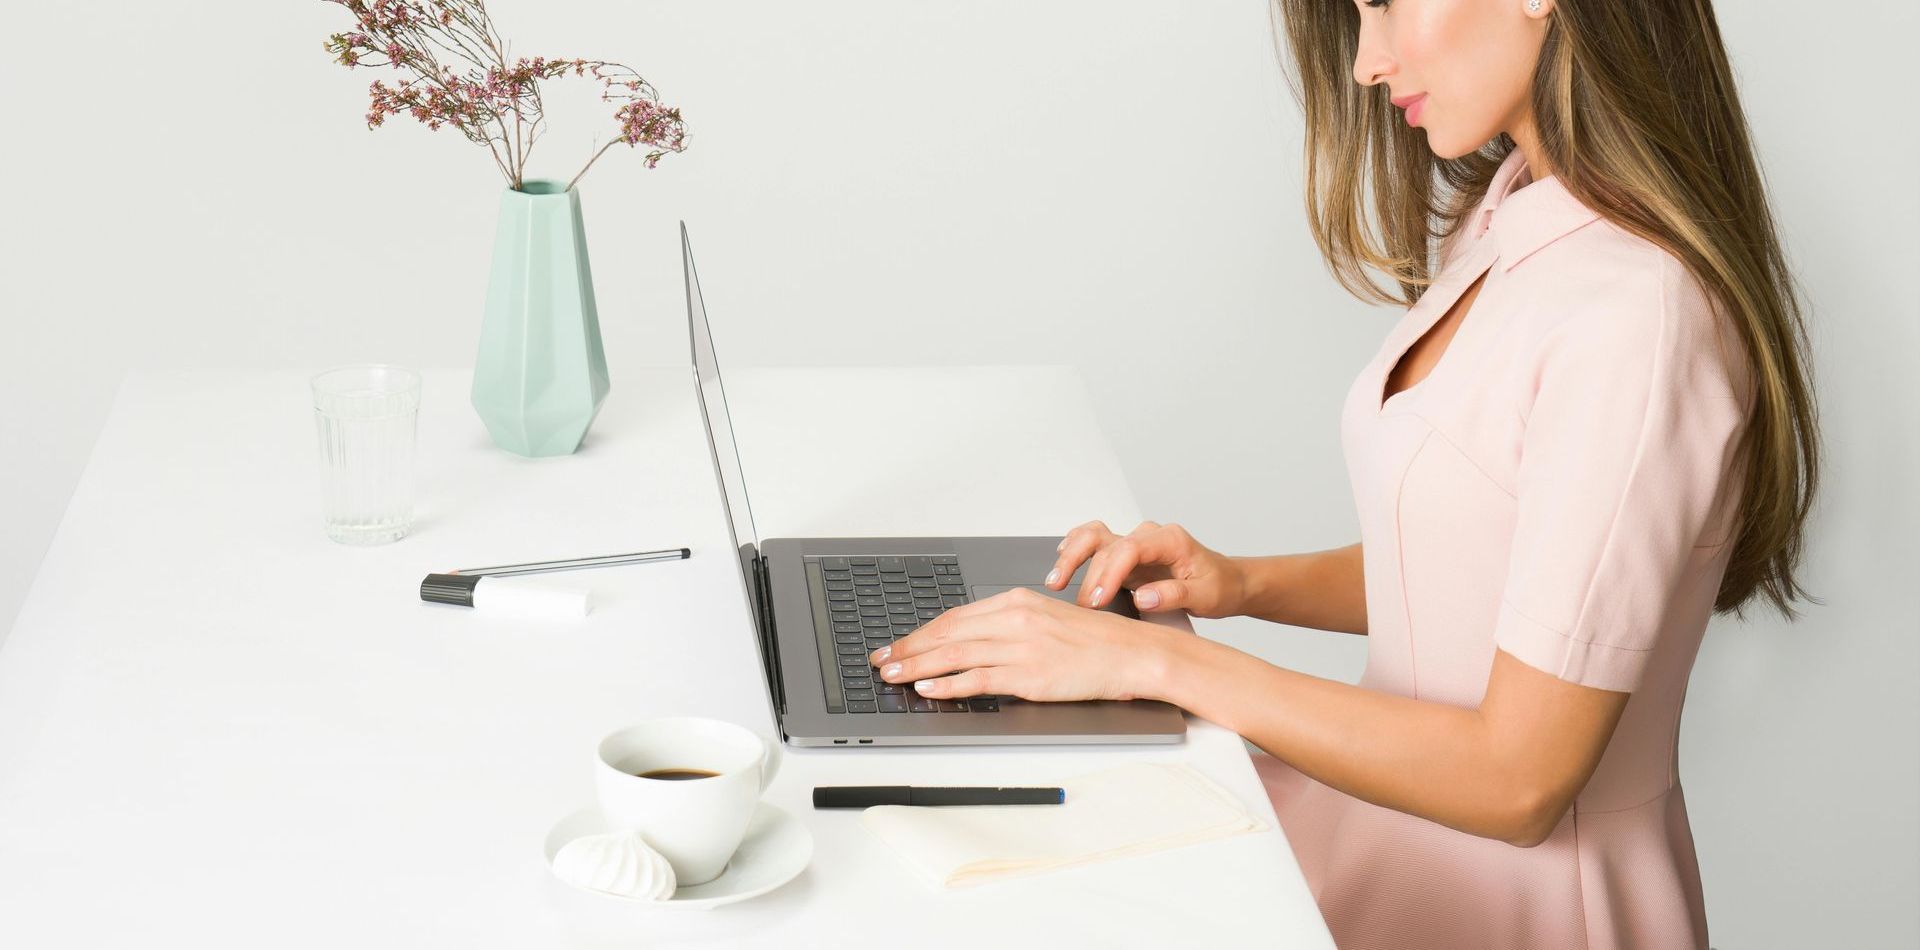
<point>455,589</point>
<point>860,796</point>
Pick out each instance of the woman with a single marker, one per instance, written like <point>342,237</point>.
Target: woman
<point>1591,429</point>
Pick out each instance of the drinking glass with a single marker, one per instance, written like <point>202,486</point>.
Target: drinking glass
<point>367,416</point>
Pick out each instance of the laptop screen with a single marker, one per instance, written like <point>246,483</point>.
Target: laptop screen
<point>726,457</point>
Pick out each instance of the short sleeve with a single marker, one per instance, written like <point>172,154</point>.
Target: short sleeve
<point>1623,482</point>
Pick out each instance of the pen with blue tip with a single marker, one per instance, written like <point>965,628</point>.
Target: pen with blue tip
<point>866,796</point>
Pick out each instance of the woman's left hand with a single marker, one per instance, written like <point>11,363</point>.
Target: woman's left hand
<point>1027,644</point>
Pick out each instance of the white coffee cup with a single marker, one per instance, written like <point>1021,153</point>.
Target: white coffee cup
<point>696,823</point>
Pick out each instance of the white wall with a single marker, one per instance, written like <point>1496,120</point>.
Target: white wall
<point>1109,183</point>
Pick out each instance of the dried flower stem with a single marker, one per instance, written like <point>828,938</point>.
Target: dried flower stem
<point>589,164</point>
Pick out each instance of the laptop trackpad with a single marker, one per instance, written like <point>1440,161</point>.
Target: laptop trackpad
<point>1121,604</point>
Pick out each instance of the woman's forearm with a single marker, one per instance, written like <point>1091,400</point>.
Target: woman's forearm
<point>1428,759</point>
<point>1325,590</point>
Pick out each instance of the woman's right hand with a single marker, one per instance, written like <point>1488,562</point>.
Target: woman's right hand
<point>1162,564</point>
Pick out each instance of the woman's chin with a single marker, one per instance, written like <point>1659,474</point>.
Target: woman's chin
<point>1448,138</point>
<point>1446,146</point>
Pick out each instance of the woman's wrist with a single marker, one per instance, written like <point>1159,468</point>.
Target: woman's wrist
<point>1168,663</point>
<point>1263,583</point>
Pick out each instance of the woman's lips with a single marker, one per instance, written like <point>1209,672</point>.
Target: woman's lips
<point>1413,105</point>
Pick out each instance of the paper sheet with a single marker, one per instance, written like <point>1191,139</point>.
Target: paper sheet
<point>1127,810</point>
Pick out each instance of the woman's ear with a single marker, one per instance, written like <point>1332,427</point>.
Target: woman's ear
<point>1537,9</point>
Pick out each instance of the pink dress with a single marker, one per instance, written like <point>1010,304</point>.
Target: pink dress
<point>1562,486</point>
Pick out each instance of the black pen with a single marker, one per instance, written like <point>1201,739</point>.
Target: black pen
<point>863,796</point>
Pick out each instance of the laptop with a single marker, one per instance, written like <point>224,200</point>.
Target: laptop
<point>820,606</point>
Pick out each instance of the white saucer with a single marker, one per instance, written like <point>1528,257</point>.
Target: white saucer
<point>776,849</point>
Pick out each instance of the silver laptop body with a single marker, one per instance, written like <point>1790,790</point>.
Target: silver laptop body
<point>820,605</point>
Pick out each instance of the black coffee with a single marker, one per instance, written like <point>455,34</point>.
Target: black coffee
<point>678,775</point>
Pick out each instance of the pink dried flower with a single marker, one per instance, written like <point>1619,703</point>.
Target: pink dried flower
<point>491,101</point>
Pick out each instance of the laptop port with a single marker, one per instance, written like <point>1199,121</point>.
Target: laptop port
<point>839,742</point>
<point>866,742</point>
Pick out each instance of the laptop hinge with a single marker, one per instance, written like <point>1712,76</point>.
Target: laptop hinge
<point>770,648</point>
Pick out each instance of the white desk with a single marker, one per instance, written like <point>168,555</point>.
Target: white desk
<point>218,728</point>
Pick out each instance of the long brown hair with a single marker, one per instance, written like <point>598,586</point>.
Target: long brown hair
<point>1636,111</point>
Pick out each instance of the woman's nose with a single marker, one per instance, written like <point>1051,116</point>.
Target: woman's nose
<point>1371,62</point>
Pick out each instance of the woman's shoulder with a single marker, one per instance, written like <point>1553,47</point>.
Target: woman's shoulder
<point>1603,292</point>
<point>1602,270</point>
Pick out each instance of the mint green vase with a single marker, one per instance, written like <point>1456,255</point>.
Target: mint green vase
<point>541,373</point>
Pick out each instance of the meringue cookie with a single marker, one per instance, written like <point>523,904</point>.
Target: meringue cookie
<point>620,863</point>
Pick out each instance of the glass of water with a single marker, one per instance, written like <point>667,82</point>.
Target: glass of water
<point>367,415</point>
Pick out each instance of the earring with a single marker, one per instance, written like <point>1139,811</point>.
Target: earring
<point>1533,6</point>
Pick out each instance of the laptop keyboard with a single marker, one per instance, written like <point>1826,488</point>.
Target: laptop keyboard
<point>869,602</point>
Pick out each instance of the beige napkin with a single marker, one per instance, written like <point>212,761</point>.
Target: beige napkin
<point>1131,809</point>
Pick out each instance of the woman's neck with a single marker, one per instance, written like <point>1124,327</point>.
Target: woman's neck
<point>1526,138</point>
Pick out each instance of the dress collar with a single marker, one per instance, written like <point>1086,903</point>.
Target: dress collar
<point>1526,215</point>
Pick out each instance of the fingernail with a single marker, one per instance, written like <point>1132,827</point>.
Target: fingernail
<point>881,656</point>
<point>1062,546</point>
<point>1146,598</point>
<point>1052,576</point>
<point>892,670</point>
<point>923,685</point>
<point>1096,595</point>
